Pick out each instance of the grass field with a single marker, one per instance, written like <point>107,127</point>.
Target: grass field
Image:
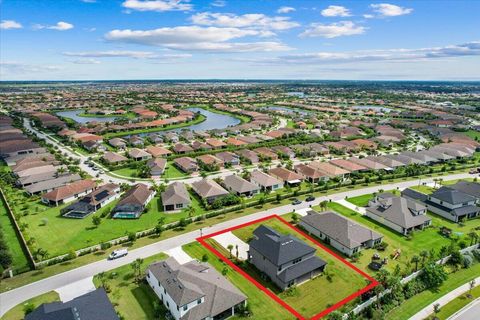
<point>360,201</point>
<point>19,258</point>
<point>344,281</point>
<point>457,304</point>
<point>262,306</point>
<point>132,300</point>
<point>173,172</point>
<point>421,300</point>
<point>18,313</point>
<point>423,189</point>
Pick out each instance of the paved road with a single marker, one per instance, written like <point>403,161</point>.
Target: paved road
<point>470,312</point>
<point>11,298</point>
<point>428,310</point>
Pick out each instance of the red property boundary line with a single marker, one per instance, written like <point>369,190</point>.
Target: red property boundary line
<point>337,305</point>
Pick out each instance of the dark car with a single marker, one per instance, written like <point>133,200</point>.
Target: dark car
<point>296,201</point>
<point>310,198</point>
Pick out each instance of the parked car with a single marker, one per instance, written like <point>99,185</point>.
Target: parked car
<point>296,201</point>
<point>118,254</point>
<point>310,198</point>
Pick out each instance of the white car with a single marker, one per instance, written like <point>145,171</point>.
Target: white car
<point>118,254</point>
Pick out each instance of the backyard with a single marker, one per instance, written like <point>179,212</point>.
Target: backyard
<point>336,283</point>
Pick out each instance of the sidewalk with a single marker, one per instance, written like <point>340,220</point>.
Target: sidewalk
<point>428,310</point>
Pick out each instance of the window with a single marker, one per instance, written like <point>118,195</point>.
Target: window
<point>199,301</point>
<point>296,260</point>
<point>179,205</point>
<point>185,307</point>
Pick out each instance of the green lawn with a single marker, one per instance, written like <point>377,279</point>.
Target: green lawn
<point>457,304</point>
<point>427,239</point>
<point>126,172</point>
<point>132,300</point>
<point>344,282</point>
<point>17,312</point>
<point>423,189</point>
<point>473,134</point>
<point>128,115</point>
<point>262,306</point>
<point>173,172</point>
<point>360,201</point>
<point>19,258</point>
<point>421,300</point>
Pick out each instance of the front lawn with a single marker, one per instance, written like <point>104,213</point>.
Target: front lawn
<point>18,312</point>
<point>310,298</point>
<point>360,201</point>
<point>457,304</point>
<point>173,172</point>
<point>133,300</point>
<point>262,306</point>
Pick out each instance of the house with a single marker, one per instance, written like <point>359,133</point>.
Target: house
<point>265,181</point>
<point>423,156</point>
<point>49,185</point>
<point>193,290</point>
<point>470,188</point>
<point>139,154</point>
<point>284,259</point>
<point>235,142</point>
<point>348,165</point>
<point>266,153</point>
<point>136,141</point>
<point>69,192</point>
<point>288,177</point>
<point>229,157</point>
<point>341,233</point>
<point>329,169</point>
<point>208,190</point>
<point>92,145</point>
<point>370,164</point>
<point>175,197</point>
<point>310,174</point>
<point>215,143</point>
<point>248,155</point>
<point>133,202</point>
<point>199,146</point>
<point>157,166</point>
<point>157,151</point>
<point>398,213</point>
<point>286,151</point>
<point>186,164</point>
<point>240,186</point>
<point>93,305</point>
<point>403,158</point>
<point>113,157</point>
<point>453,203</point>
<point>390,163</point>
<point>182,148</point>
<point>11,148</point>
<point>92,201</point>
<point>210,160</point>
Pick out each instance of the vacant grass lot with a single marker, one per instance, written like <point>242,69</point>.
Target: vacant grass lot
<point>19,259</point>
<point>315,295</point>
<point>132,300</point>
<point>262,306</point>
<point>425,240</point>
<point>18,313</point>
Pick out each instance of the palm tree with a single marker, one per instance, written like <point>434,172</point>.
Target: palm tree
<point>424,254</point>
<point>473,237</point>
<point>40,254</point>
<point>230,248</point>
<point>137,268</point>
<point>191,211</point>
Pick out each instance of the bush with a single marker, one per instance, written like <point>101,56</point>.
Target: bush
<point>28,308</point>
<point>105,245</point>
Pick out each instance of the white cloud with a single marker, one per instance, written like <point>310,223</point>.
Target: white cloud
<point>336,11</point>
<point>13,67</point>
<point>394,55</point>
<point>60,26</point>
<point>252,21</point>
<point>368,16</point>
<point>89,1</point>
<point>285,9</point>
<point>10,24</point>
<point>390,10</point>
<point>219,3</point>
<point>339,29</point>
<point>196,38</point>
<point>86,61</point>
<point>158,5</point>
<point>112,54</point>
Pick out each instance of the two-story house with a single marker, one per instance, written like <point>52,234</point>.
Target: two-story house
<point>193,290</point>
<point>452,204</point>
<point>284,259</point>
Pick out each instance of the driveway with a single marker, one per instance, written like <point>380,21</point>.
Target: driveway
<point>228,238</point>
<point>75,289</point>
<point>179,255</point>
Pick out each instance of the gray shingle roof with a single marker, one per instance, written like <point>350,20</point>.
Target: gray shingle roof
<point>346,232</point>
<point>470,188</point>
<point>238,184</point>
<point>175,193</point>
<point>452,196</point>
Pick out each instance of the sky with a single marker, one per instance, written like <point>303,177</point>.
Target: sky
<point>239,39</point>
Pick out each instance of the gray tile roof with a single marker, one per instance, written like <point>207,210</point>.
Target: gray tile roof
<point>175,193</point>
<point>348,233</point>
<point>452,196</point>
<point>470,188</point>
<point>194,280</point>
<point>238,184</point>
<point>208,188</point>
<point>264,179</point>
<point>299,269</point>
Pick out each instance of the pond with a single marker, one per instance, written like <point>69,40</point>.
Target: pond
<point>374,108</point>
<point>74,115</point>
<point>288,110</point>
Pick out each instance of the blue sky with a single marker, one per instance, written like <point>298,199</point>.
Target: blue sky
<point>239,39</point>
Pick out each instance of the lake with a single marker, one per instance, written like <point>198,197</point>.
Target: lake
<point>288,110</point>
<point>74,115</point>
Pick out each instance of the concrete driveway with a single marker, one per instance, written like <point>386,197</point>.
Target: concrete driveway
<point>179,255</point>
<point>75,289</point>
<point>228,238</point>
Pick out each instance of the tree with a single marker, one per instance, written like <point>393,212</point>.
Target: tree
<point>278,198</point>
<point>424,254</point>
<point>294,218</point>
<point>205,258</point>
<point>473,237</point>
<point>335,315</point>
<point>436,309</point>
<point>96,220</point>
<point>433,275</point>
<point>230,248</point>
<point>236,249</point>
<point>137,269</point>
<point>40,254</point>
<point>323,205</point>
<point>224,271</point>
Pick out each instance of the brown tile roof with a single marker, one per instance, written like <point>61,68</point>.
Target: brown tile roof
<point>69,190</point>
